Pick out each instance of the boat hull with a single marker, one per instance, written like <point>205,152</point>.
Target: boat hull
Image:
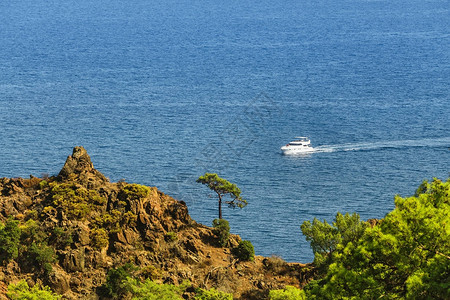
<point>296,150</point>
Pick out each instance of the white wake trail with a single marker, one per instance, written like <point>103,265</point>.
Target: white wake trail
<point>439,142</point>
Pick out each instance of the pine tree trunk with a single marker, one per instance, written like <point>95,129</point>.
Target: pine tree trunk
<point>220,207</point>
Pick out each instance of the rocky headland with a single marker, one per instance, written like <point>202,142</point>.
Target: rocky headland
<point>78,225</point>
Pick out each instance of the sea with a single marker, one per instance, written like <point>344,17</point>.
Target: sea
<point>160,92</point>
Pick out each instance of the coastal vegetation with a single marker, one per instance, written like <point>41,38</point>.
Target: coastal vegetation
<point>9,240</point>
<point>406,255</point>
<point>245,251</point>
<point>288,293</point>
<point>77,235</point>
<point>22,291</point>
<point>222,230</point>
<point>223,187</point>
<point>324,238</point>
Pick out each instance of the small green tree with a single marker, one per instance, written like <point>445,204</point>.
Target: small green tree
<point>244,251</point>
<point>325,237</point>
<point>42,256</point>
<point>9,240</point>
<point>116,285</point>
<point>223,187</point>
<point>405,256</point>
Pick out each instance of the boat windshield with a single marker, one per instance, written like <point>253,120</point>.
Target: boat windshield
<point>301,139</point>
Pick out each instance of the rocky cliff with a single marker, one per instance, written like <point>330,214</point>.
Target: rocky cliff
<point>76,226</point>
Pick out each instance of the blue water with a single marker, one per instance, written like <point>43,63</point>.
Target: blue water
<point>159,92</point>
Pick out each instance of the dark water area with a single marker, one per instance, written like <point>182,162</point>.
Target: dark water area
<point>159,92</point>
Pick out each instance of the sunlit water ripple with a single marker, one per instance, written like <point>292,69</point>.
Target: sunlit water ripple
<point>159,92</point>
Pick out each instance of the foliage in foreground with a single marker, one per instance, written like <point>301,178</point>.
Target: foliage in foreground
<point>325,237</point>
<point>21,291</point>
<point>150,290</point>
<point>116,285</point>
<point>406,256</point>
<point>288,293</point>
<point>121,283</point>
<point>212,294</point>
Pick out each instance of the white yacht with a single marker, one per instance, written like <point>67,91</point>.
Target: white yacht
<point>301,144</point>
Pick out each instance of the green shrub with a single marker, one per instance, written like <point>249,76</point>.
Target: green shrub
<point>222,230</point>
<point>129,218</point>
<point>149,290</point>
<point>42,255</point>
<point>116,285</point>
<point>288,293</point>
<point>31,214</point>
<point>99,238</point>
<point>77,202</point>
<point>31,232</point>
<point>9,240</point>
<point>244,251</point>
<point>114,220</point>
<point>134,191</point>
<point>61,237</point>
<point>212,294</point>
<point>110,221</point>
<point>43,184</point>
<point>21,291</point>
<point>170,236</point>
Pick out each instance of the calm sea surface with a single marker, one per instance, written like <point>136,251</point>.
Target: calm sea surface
<point>159,92</point>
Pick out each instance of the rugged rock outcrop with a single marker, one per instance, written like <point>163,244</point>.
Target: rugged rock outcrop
<point>82,225</point>
<point>79,164</point>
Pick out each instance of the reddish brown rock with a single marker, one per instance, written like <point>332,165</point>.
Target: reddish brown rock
<point>79,165</point>
<point>160,238</point>
<point>59,281</point>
